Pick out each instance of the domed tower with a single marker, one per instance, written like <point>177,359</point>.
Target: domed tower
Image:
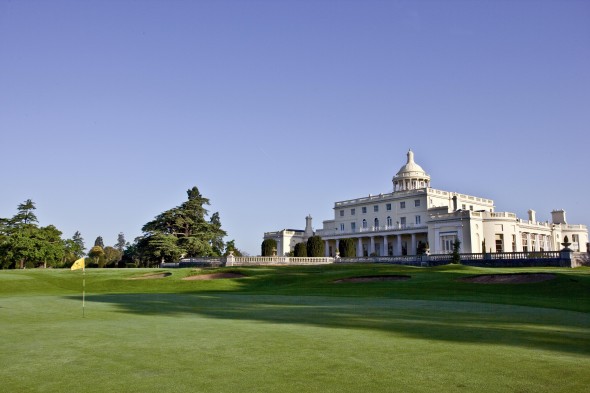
<point>410,176</point>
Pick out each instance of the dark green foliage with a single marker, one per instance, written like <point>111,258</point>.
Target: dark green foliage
<point>347,248</point>
<point>181,231</point>
<point>112,256</point>
<point>315,247</point>
<point>421,249</point>
<point>269,247</point>
<point>300,250</point>
<point>231,246</point>
<point>97,255</point>
<point>99,242</point>
<point>456,247</point>
<point>121,243</point>
<point>24,244</point>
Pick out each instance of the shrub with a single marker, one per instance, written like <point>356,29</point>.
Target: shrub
<point>315,247</point>
<point>347,248</point>
<point>456,247</point>
<point>269,247</point>
<point>300,250</point>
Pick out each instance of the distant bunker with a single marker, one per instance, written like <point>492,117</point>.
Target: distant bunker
<point>516,278</point>
<point>152,276</point>
<point>391,277</point>
<point>215,276</point>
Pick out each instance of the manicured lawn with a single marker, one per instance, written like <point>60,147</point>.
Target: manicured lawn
<point>294,330</point>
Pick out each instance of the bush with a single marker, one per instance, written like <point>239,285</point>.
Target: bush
<point>315,247</point>
<point>347,248</point>
<point>456,247</point>
<point>300,250</point>
<point>269,247</point>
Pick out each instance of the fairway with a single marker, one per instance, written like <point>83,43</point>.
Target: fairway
<point>294,329</point>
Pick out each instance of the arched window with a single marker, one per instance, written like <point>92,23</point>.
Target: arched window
<point>376,223</point>
<point>364,223</point>
<point>389,222</point>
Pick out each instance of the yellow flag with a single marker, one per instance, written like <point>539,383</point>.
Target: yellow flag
<point>79,264</point>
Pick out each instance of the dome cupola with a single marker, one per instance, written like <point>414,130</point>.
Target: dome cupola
<point>410,176</point>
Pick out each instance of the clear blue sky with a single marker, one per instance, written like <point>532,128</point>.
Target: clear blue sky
<point>111,110</point>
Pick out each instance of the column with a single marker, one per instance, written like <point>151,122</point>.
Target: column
<point>398,247</point>
<point>337,250</point>
<point>359,247</point>
<point>413,252</point>
<point>529,242</point>
<point>372,249</point>
<point>327,248</point>
<point>385,246</point>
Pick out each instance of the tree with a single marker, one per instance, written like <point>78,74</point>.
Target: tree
<point>121,243</point>
<point>231,246</point>
<point>24,244</point>
<point>99,242</point>
<point>112,255</point>
<point>300,250</point>
<point>74,248</point>
<point>25,213</point>
<point>347,248</point>
<point>182,230</point>
<point>97,254</point>
<point>51,247</point>
<point>269,247</point>
<point>315,247</point>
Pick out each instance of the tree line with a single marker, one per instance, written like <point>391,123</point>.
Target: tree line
<point>183,231</point>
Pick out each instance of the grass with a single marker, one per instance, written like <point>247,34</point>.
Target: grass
<point>291,329</point>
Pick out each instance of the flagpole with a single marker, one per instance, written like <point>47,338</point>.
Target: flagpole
<point>83,291</point>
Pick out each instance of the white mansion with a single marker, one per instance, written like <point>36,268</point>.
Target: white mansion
<point>416,218</point>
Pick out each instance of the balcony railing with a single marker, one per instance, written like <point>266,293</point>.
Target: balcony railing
<point>385,228</point>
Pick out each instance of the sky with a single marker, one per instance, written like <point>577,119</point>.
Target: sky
<point>111,110</point>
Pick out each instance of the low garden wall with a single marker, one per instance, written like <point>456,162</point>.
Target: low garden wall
<point>564,258</point>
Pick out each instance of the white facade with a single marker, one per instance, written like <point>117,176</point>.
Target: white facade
<point>287,238</point>
<point>415,217</point>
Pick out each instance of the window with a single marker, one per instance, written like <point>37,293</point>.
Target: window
<point>525,242</point>
<point>376,223</point>
<point>417,203</point>
<point>388,207</point>
<point>471,207</point>
<point>364,223</point>
<point>463,207</point>
<point>402,205</point>
<point>447,241</point>
<point>342,227</point>
<point>389,223</point>
<point>376,208</point>
<point>417,220</point>
<point>341,213</point>
<point>513,242</point>
<point>352,212</point>
<point>499,242</point>
<point>364,210</point>
<point>353,226</point>
<point>402,221</point>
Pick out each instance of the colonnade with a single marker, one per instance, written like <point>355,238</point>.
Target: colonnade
<point>400,244</point>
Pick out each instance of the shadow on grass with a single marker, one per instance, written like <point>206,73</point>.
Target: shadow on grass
<point>460,322</point>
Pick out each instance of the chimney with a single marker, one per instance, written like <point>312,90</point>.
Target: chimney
<point>308,227</point>
<point>454,203</point>
<point>558,216</point>
<point>532,216</point>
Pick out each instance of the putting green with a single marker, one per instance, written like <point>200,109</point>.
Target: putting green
<point>236,335</point>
